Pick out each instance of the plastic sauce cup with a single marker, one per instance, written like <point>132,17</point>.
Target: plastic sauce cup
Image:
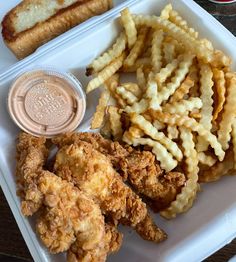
<point>46,102</point>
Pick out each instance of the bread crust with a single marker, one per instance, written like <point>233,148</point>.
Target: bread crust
<point>26,42</point>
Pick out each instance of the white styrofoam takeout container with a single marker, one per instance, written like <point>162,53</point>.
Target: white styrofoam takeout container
<point>209,225</point>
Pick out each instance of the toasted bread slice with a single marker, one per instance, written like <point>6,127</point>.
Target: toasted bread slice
<point>35,22</point>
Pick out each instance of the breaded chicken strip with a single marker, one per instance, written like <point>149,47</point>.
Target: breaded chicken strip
<point>31,156</point>
<point>94,174</point>
<point>140,168</point>
<point>73,221</point>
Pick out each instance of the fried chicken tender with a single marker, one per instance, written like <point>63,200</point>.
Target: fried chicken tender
<point>73,221</point>
<point>31,156</point>
<point>147,178</point>
<point>94,175</point>
<point>138,167</point>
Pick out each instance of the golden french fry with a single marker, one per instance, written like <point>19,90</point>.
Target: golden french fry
<point>182,90</point>
<point>175,18</point>
<point>151,131</point>
<point>135,131</point>
<point>193,125</point>
<point>193,74</point>
<point>218,170</point>
<point>106,73</point>
<point>169,52</point>
<point>152,94</point>
<point>137,48</point>
<point>141,78</point>
<point>166,11</point>
<point>188,192</point>
<point>98,117</point>
<point>166,160</point>
<point>219,80</point>
<point>194,46</point>
<point>220,59</point>
<point>105,59</point>
<point>145,61</point>
<point>156,53</point>
<point>115,122</point>
<point>206,88</point>
<point>126,95</point>
<point>158,125</point>
<point>111,84</point>
<point>180,74</point>
<point>133,88</point>
<point>229,112</point>
<point>172,132</point>
<point>206,159</point>
<point>129,26</point>
<point>166,72</point>
<point>138,107</point>
<point>184,106</point>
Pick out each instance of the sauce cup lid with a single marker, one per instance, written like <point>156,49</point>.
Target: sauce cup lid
<point>46,102</point>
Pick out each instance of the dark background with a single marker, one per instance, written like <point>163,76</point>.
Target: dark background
<point>12,245</point>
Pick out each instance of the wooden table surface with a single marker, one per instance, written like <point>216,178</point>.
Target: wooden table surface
<point>12,245</point>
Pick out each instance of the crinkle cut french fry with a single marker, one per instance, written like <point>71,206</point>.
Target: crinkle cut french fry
<point>193,74</point>
<point>193,125</point>
<point>175,18</point>
<point>106,73</point>
<point>188,192</point>
<point>183,106</point>
<point>220,59</point>
<point>111,84</point>
<point>136,132</point>
<point>166,11</point>
<point>219,80</point>
<point>129,26</point>
<point>172,132</point>
<point>156,53</point>
<point>144,61</point>
<point>218,170</point>
<point>137,48</point>
<point>194,46</point>
<point>180,74</point>
<point>151,131</point>
<point>126,95</point>
<point>183,90</point>
<point>229,112</point>
<point>98,117</point>
<point>105,59</point>
<point>206,159</point>
<point>166,72</point>
<point>133,88</point>
<point>152,94</point>
<point>141,78</point>
<point>169,52</point>
<point>138,107</point>
<point>158,125</point>
<point>166,160</point>
<point>206,88</point>
<point>115,122</point>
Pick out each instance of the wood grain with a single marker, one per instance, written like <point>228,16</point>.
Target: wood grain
<point>11,241</point>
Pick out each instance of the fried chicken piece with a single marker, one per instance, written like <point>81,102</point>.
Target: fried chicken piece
<point>140,168</point>
<point>113,150</point>
<point>31,156</point>
<point>72,221</point>
<point>94,174</point>
<point>147,178</point>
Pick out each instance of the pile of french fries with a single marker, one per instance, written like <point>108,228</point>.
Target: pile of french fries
<point>181,104</point>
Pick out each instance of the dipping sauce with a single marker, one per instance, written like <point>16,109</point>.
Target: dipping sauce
<point>46,102</point>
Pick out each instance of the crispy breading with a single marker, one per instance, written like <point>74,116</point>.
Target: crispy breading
<point>93,173</point>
